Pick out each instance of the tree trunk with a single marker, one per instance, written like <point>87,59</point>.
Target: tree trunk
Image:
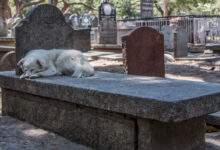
<point>18,5</point>
<point>166,3</point>
<point>5,11</point>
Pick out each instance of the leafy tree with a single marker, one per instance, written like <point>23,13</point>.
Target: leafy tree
<point>5,11</point>
<point>127,8</point>
<point>178,7</point>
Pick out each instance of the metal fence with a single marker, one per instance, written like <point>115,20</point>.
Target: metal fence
<point>200,29</point>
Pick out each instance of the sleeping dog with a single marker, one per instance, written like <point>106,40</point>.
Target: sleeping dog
<point>42,63</point>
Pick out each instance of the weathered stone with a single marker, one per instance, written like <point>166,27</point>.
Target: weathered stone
<point>115,111</point>
<point>180,43</point>
<point>213,141</point>
<point>168,37</point>
<point>3,28</point>
<point>8,61</point>
<point>132,95</point>
<point>146,8</point>
<point>95,22</point>
<point>107,24</point>
<point>186,135</point>
<point>213,119</point>
<point>7,41</point>
<point>96,128</point>
<point>45,27</point>
<point>215,47</point>
<point>143,52</point>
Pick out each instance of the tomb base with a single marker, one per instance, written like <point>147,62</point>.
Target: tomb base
<point>102,129</point>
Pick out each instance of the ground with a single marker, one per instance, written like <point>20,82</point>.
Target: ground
<point>183,70</point>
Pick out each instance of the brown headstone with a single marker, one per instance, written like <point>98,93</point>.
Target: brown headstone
<point>45,27</point>
<point>143,52</point>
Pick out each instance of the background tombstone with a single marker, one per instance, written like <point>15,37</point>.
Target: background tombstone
<point>45,27</point>
<point>146,8</point>
<point>95,22</point>
<point>143,52</point>
<point>180,43</point>
<point>168,37</point>
<point>107,24</point>
<point>3,28</point>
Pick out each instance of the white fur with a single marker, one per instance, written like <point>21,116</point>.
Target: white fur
<point>41,63</point>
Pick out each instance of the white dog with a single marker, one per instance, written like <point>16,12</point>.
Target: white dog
<point>41,63</point>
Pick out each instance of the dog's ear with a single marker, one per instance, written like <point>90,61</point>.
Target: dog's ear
<point>20,63</point>
<point>39,63</point>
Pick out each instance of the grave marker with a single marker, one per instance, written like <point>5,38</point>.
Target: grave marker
<point>180,43</point>
<point>107,23</point>
<point>143,52</point>
<point>45,27</point>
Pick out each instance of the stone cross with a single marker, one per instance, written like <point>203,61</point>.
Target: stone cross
<point>45,27</point>
<point>143,52</point>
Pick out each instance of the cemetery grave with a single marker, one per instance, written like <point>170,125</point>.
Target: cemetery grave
<point>111,110</point>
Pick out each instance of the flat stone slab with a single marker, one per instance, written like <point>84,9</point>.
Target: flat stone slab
<point>214,119</point>
<point>214,47</point>
<point>17,135</point>
<point>94,54</point>
<point>160,99</point>
<point>107,46</point>
<point>7,39</point>
<point>4,48</point>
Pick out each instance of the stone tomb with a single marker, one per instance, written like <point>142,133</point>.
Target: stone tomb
<point>45,27</point>
<point>115,111</point>
<point>143,52</point>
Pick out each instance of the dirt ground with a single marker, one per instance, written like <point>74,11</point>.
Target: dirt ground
<point>183,70</point>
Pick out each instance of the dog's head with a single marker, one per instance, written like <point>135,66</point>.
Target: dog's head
<point>30,66</point>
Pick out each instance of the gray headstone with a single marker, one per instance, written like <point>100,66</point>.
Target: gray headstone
<point>45,27</point>
<point>146,8</point>
<point>95,22</point>
<point>3,28</point>
<point>168,37</point>
<point>107,24</point>
<point>180,43</point>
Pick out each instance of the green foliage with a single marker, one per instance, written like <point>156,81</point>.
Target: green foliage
<point>131,8</point>
<point>127,8</point>
<point>186,7</point>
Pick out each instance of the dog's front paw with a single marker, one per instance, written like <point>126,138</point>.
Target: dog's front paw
<point>34,76</point>
<point>24,76</point>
